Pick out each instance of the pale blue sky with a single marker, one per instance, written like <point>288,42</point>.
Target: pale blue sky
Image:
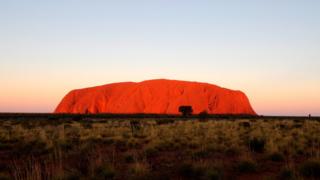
<point>268,49</point>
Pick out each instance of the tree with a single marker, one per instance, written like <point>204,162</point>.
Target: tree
<point>203,115</point>
<point>185,110</point>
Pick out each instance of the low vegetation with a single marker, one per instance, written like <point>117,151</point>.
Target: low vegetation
<point>164,148</point>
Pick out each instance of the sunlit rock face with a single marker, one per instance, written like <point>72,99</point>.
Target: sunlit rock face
<point>159,96</point>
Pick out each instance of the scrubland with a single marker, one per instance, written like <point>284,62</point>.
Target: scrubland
<point>164,148</point>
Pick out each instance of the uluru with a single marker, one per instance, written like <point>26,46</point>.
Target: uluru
<point>160,96</point>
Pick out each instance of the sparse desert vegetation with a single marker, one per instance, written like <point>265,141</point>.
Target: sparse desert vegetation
<point>163,148</point>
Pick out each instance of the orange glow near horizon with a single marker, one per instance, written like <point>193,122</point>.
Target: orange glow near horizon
<point>26,98</point>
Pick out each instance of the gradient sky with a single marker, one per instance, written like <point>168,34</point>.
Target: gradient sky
<point>270,49</point>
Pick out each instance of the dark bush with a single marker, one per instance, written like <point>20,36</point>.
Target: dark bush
<point>214,174</point>
<point>257,144</point>
<point>35,147</point>
<point>72,174</point>
<point>283,127</point>
<point>86,125</point>
<point>297,125</point>
<point>135,126</point>
<point>232,151</point>
<point>245,124</point>
<point>151,152</point>
<point>67,126</point>
<point>104,172</point>
<point>28,124</point>
<point>108,141</point>
<point>189,171</point>
<point>164,121</point>
<point>203,115</point>
<point>129,158</point>
<point>298,120</point>
<point>286,174</point>
<point>53,118</point>
<point>185,110</point>
<point>4,146</point>
<point>4,176</point>
<point>246,166</point>
<point>200,154</point>
<point>121,144</point>
<point>311,169</point>
<point>77,118</point>
<point>277,157</point>
<point>66,145</point>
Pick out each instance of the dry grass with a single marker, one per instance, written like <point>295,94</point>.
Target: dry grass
<point>40,149</point>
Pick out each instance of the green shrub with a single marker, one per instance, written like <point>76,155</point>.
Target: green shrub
<point>310,168</point>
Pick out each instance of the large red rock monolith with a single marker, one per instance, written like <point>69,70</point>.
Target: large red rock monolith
<point>155,97</point>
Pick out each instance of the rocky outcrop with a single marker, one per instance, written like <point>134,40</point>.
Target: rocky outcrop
<point>155,97</point>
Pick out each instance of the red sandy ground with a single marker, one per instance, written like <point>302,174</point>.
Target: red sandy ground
<point>155,97</point>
